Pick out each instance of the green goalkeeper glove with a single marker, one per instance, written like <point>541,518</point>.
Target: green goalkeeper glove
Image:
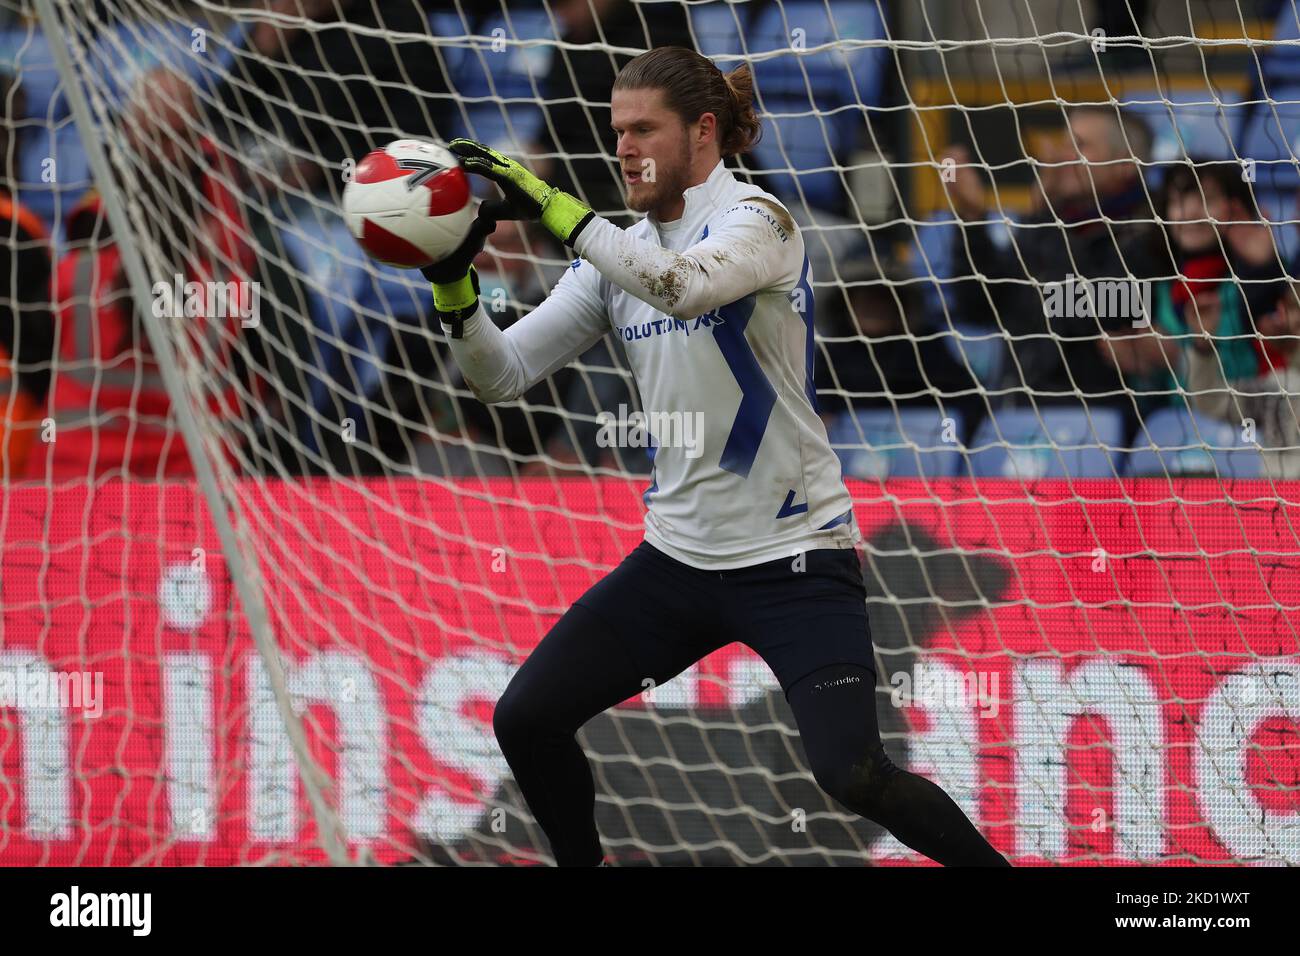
<point>454,279</point>
<point>529,197</point>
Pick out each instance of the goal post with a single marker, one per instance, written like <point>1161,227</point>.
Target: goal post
<point>244,570</point>
<point>267,563</point>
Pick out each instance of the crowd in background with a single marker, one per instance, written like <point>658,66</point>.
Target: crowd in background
<point>1220,341</point>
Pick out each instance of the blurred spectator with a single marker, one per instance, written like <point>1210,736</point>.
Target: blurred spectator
<point>1271,401</point>
<point>111,408</point>
<point>333,94</point>
<point>1218,233</point>
<point>1226,264</point>
<point>26,336</point>
<point>1091,220</point>
<point>577,89</point>
<point>879,355</point>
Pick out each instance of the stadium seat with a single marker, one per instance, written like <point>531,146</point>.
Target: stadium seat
<point>1177,443</point>
<point>931,257</point>
<point>1272,138</point>
<point>812,102</point>
<point>1281,64</point>
<point>1187,123</point>
<point>718,30</point>
<point>446,24</point>
<point>122,55</point>
<point>498,91</point>
<point>881,443</point>
<point>118,58</point>
<point>1028,444</point>
<point>26,55</point>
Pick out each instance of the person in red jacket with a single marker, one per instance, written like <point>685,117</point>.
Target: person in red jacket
<point>25,334</point>
<point>111,410</point>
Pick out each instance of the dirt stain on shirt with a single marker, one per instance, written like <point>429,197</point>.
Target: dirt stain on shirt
<point>667,284</point>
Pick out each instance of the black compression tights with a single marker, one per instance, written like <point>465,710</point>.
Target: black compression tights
<point>835,709</point>
<point>579,670</point>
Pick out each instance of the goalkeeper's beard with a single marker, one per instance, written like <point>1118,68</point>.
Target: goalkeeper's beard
<point>669,185</point>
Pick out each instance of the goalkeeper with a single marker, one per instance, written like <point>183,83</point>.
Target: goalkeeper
<point>749,533</point>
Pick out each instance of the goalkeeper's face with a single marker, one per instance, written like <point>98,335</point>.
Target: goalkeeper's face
<point>654,151</point>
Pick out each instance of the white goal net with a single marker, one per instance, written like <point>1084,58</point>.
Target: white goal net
<point>266,563</point>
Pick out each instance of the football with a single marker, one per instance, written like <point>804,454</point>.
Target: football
<point>408,204</point>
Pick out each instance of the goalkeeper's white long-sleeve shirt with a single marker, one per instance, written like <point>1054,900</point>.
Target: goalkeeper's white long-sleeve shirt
<point>715,311</point>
